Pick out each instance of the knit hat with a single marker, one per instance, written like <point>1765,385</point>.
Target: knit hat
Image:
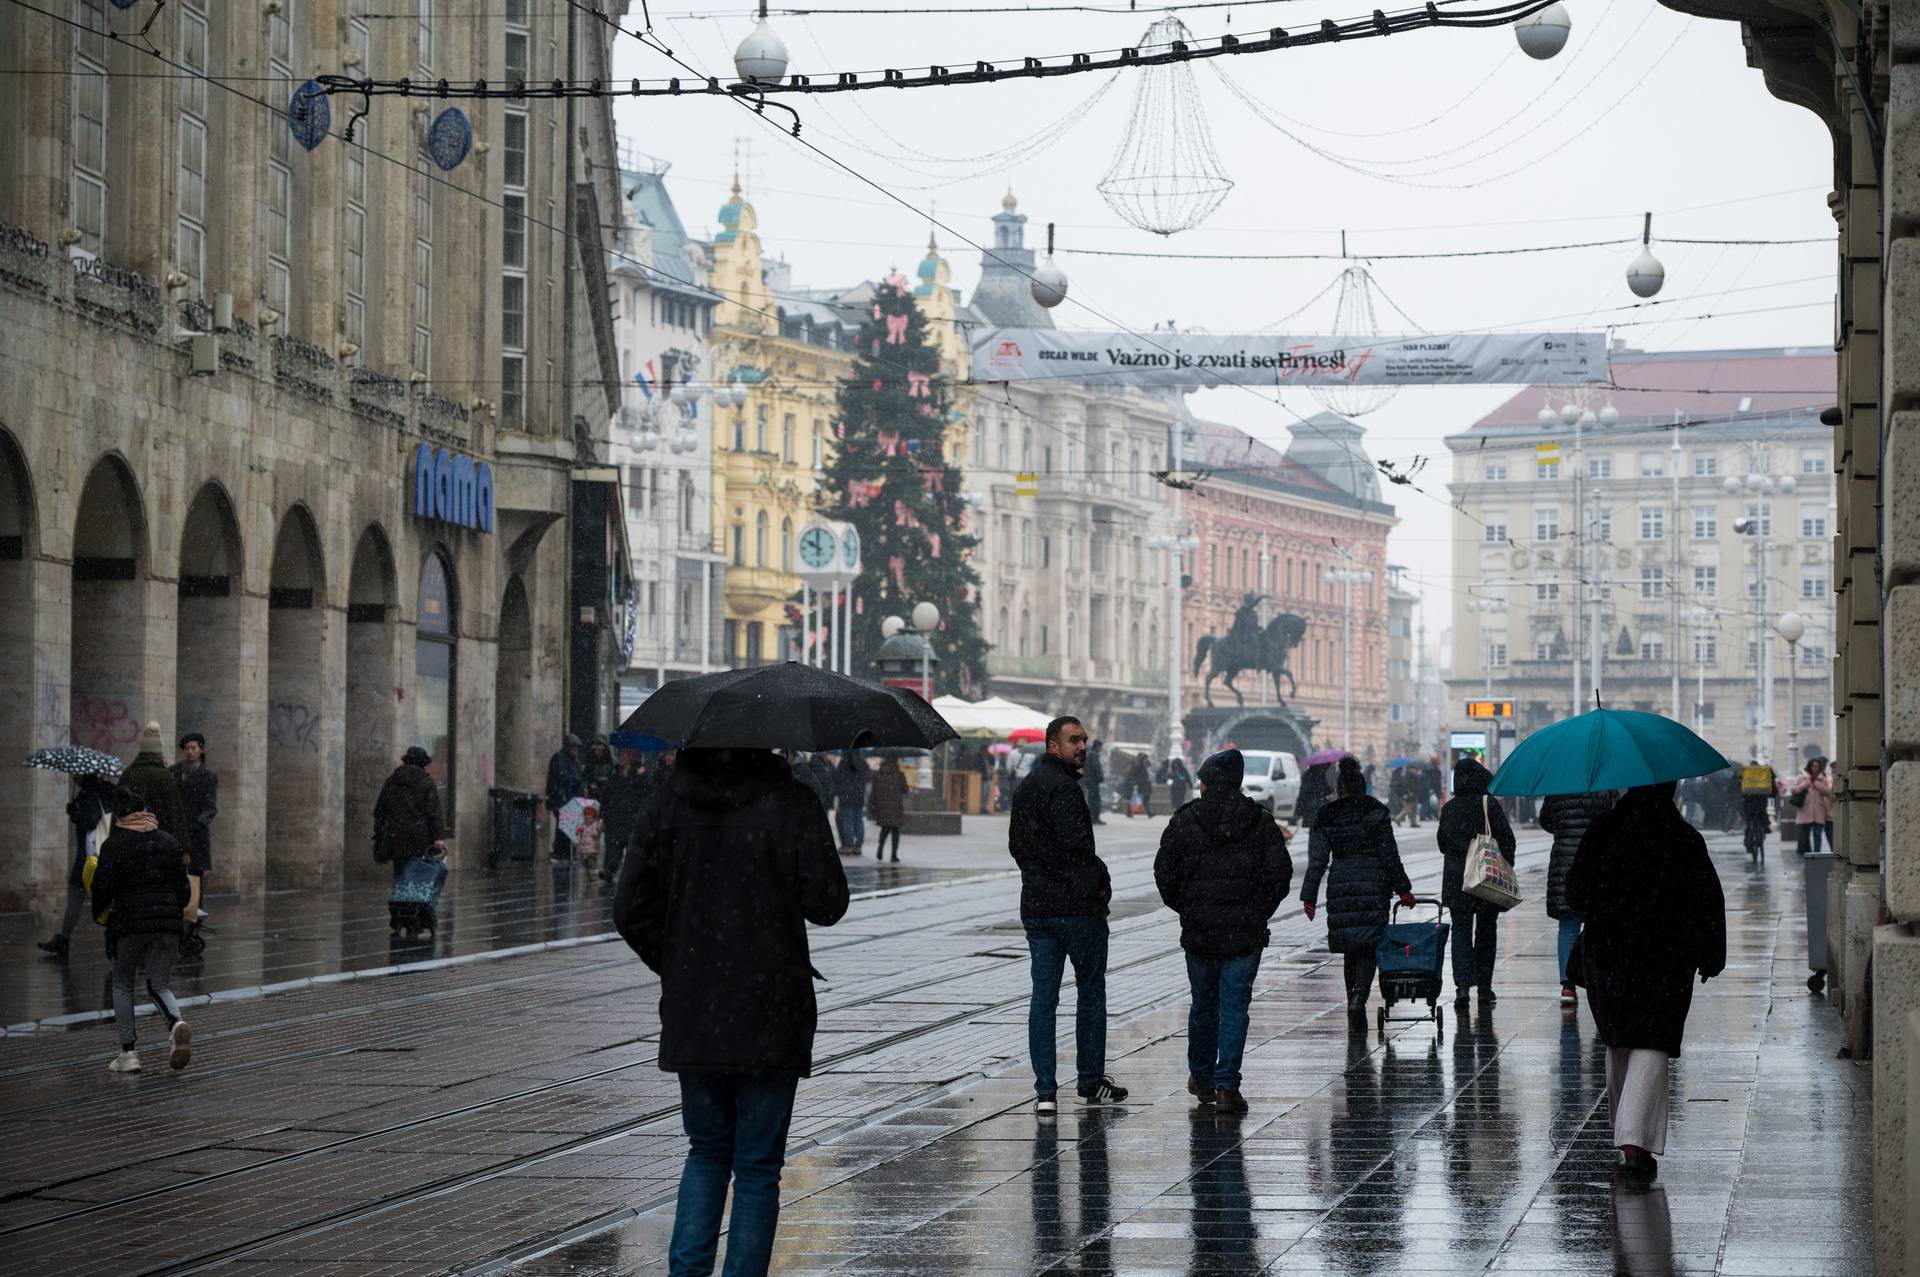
<point>416,757</point>
<point>1224,770</point>
<point>150,739</point>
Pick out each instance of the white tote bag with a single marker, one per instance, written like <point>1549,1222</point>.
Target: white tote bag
<point>1488,875</point>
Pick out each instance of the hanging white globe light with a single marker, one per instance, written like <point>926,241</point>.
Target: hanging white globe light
<point>1548,417</point>
<point>1609,415</point>
<point>762,56</point>
<point>1645,274</point>
<point>1787,484</point>
<point>1049,282</point>
<point>1543,34</point>
<point>1570,414</point>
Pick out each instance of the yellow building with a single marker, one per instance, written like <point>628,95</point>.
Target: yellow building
<point>949,328</point>
<point>790,349</point>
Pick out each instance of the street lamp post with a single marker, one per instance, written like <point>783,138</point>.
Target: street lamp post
<point>1760,527</point>
<point>1488,607</point>
<point>1790,627</point>
<point>1347,579</point>
<point>1699,619</point>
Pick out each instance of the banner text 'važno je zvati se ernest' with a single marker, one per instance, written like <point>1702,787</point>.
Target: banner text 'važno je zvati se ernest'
<point>1211,359</point>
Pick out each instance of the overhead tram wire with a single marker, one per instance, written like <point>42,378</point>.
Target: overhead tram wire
<point>1358,255</point>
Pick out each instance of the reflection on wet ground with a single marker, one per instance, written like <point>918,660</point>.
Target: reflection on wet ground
<point>1487,1151</point>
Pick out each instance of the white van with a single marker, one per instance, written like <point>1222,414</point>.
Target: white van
<point>1272,779</point>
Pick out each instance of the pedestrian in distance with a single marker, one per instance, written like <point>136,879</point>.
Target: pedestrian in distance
<point>598,767</point>
<point>565,782</point>
<point>1397,796</point>
<point>587,841</point>
<point>1064,894</point>
<point>90,814</point>
<point>148,774</point>
<point>623,794</point>
<point>1315,789</point>
<point>1223,867</point>
<point>820,779</point>
<point>851,780</point>
<point>1568,817</point>
<point>1475,922</point>
<point>1139,787</point>
<point>407,825</point>
<point>887,804</point>
<point>199,788</point>
<point>140,892</point>
<point>1179,782</point>
<point>1812,802</point>
<point>1655,917</point>
<point>715,896</point>
<point>1093,776</point>
<point>1352,847</point>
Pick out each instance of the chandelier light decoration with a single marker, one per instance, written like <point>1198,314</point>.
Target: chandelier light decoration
<point>1354,317</point>
<point>1166,176</point>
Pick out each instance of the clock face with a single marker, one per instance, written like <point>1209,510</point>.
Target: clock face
<point>816,547</point>
<point>850,548</point>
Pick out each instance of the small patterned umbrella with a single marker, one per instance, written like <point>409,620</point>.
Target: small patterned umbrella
<point>573,814</point>
<point>75,760</point>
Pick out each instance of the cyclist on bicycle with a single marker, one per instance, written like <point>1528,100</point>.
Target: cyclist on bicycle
<point>1756,797</point>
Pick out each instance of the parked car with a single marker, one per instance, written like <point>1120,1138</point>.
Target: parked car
<point>1272,779</point>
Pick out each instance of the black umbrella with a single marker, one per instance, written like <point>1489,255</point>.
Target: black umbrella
<point>75,760</point>
<point>788,706</point>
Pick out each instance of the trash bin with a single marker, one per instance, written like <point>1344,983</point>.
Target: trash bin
<point>513,823</point>
<point>1819,865</point>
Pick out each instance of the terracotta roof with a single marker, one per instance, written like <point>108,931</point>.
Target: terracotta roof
<point>1703,384</point>
<point>1232,454</point>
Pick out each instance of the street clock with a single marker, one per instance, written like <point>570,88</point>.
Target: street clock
<point>817,547</point>
<point>849,548</point>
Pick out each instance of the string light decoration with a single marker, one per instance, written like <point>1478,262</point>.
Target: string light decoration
<point>1166,176</point>
<point>1353,316</point>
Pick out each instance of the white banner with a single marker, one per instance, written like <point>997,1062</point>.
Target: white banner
<point>1208,359</point>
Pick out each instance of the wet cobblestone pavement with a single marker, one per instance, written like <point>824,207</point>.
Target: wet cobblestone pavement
<point>481,1117</point>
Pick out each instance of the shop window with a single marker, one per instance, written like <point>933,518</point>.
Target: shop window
<point>435,672</point>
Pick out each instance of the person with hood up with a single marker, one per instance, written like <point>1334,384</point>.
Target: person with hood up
<point>565,782</point>
<point>407,823</point>
<point>1568,817</point>
<point>1064,893</point>
<point>91,804</point>
<point>887,804</point>
<point>1223,867</point>
<point>715,896</point>
<point>1353,848</point>
<point>1179,781</point>
<point>1093,776</point>
<point>622,795</point>
<point>1475,922</point>
<point>140,890</point>
<point>851,780</point>
<point>149,776</point>
<point>598,767</point>
<point>1313,794</point>
<point>1139,781</point>
<point>1655,915</point>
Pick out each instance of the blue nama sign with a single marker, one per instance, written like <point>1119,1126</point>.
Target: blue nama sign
<point>452,487</point>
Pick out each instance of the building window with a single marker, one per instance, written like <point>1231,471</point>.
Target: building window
<point>1546,591</point>
<point>90,124</point>
<point>1705,649</point>
<point>1813,585</point>
<point>687,497</point>
<point>760,428</point>
<point>1705,465</point>
<point>1762,512</point>
<point>1813,653</point>
<point>1602,524</point>
<point>353,217</point>
<point>1653,647</point>
<point>786,545</point>
<point>1496,653</point>
<point>739,545</point>
<point>1653,583</point>
<point>1706,523</point>
<point>1706,582</point>
<point>1813,461</point>
<point>1496,472</point>
<point>423,45</point>
<point>1813,716</point>
<point>1494,527</point>
<point>819,434</point>
<point>1046,551</point>
<point>513,312</point>
<point>760,539</point>
<point>423,263</point>
<point>277,228</point>
<point>1546,471</point>
<point>1813,522</point>
<point>190,195</point>
<point>1706,713</point>
<point>1653,523</point>
<point>1599,467</point>
<point>1542,648</point>
<point>1653,465</point>
<point>514,151</point>
<point>1546,523</point>
<point>435,658</point>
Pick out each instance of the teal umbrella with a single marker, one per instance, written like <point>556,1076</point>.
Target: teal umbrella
<point>1604,749</point>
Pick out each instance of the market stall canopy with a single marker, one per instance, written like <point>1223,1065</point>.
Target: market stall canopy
<point>995,718</point>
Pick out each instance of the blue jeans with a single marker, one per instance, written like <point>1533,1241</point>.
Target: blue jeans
<point>1810,835</point>
<point>852,824</point>
<point>1217,1023</point>
<point>1569,931</point>
<point>736,1126</point>
<point>1053,943</point>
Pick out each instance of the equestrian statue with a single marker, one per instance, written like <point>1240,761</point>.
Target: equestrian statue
<point>1246,646</point>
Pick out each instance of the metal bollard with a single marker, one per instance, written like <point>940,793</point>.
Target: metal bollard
<point>1819,865</point>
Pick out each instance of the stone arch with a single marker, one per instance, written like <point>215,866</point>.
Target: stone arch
<point>513,725</point>
<point>297,733</point>
<point>436,669</point>
<point>370,742</point>
<point>213,663</point>
<point>111,564</point>
<point>32,711</point>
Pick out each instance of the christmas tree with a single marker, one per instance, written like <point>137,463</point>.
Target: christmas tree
<point>889,477</point>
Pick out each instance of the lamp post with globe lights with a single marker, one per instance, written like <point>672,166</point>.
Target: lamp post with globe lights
<point>1759,525</point>
<point>1791,626</point>
<point>1702,622</point>
<point>1177,547</point>
<point>1489,607</point>
<point>1542,35</point>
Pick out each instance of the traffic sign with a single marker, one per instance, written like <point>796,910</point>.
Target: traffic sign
<point>1026,484</point>
<point>1489,709</point>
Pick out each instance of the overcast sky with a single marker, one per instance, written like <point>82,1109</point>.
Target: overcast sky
<point>1645,109</point>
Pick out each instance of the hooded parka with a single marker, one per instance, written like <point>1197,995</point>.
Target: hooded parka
<point>1223,867</point>
<point>407,813</point>
<point>1460,823</point>
<point>731,861</point>
<point>1655,915</point>
<point>1316,788</point>
<point>1352,847</point>
<point>149,776</point>
<point>1568,817</point>
<point>142,877</point>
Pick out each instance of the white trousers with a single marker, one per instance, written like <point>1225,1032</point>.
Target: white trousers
<point>1637,1097</point>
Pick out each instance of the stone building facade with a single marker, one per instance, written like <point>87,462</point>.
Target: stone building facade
<point>271,467</point>
<point>1667,467</point>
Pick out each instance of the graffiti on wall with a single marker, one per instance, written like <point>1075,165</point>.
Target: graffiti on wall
<point>103,722</point>
<point>49,708</point>
<point>291,725</point>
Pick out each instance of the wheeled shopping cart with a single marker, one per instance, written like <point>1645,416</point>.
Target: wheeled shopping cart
<point>1410,957</point>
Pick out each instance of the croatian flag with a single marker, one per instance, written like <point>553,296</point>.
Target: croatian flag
<point>645,380</point>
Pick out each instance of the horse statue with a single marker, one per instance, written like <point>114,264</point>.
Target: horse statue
<point>1245,646</point>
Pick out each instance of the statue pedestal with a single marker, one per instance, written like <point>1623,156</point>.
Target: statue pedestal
<point>1278,727</point>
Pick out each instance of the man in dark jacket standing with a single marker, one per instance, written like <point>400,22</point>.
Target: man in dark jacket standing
<point>565,782</point>
<point>1474,920</point>
<point>200,795</point>
<point>1223,867</point>
<point>715,896</point>
<point>622,794</point>
<point>1092,776</point>
<point>406,815</point>
<point>1064,891</point>
<point>1567,817</point>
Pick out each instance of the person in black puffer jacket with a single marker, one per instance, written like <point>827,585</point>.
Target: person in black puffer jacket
<point>1223,867</point>
<point>1474,920</point>
<point>1352,846</point>
<point>1313,794</point>
<point>140,888</point>
<point>1567,817</point>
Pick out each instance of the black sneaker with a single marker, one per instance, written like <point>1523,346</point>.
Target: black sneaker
<point>1103,1094</point>
<point>57,946</point>
<point>1460,999</point>
<point>1046,1105</point>
<point>1486,996</point>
